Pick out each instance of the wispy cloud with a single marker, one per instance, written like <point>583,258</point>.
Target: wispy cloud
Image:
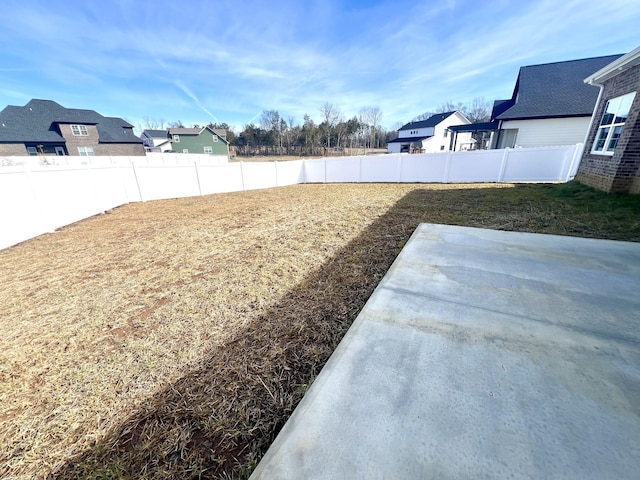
<point>227,61</point>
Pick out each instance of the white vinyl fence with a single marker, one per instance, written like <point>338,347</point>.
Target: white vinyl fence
<point>38,198</point>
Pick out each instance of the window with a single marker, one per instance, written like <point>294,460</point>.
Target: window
<point>185,150</point>
<point>215,138</point>
<point>85,151</point>
<point>446,133</point>
<point>79,130</point>
<point>441,147</point>
<point>176,138</point>
<point>32,150</point>
<point>610,128</point>
<point>208,149</point>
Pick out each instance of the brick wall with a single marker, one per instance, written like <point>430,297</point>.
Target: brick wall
<point>620,172</point>
<point>11,149</point>
<point>93,140</point>
<point>125,149</point>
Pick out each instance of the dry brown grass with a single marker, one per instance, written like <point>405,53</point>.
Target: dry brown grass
<point>172,339</point>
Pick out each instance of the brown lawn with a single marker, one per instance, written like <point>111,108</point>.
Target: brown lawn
<point>172,339</point>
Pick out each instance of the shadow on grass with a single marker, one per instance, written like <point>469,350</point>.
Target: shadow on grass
<point>219,419</point>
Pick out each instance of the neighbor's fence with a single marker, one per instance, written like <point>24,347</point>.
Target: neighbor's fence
<point>36,199</point>
<point>150,158</point>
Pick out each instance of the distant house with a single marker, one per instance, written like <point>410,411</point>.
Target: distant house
<point>550,105</point>
<point>427,136</point>
<point>199,140</point>
<point>44,127</point>
<point>156,140</point>
<point>611,158</point>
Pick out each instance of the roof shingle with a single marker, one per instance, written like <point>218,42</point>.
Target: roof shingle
<point>36,122</point>
<point>554,90</point>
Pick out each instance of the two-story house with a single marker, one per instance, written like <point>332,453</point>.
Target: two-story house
<point>199,140</point>
<point>428,136</point>
<point>44,127</point>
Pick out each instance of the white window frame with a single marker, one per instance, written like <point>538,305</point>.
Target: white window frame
<point>215,138</point>
<point>176,138</point>
<point>185,150</point>
<point>611,124</point>
<point>79,130</point>
<point>208,150</point>
<point>86,152</point>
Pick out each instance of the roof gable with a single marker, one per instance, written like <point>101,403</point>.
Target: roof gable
<point>555,90</point>
<point>432,121</point>
<point>155,133</point>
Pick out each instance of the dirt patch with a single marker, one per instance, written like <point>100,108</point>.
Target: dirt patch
<point>172,339</point>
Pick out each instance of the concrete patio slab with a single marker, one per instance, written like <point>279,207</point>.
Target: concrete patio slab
<point>481,354</point>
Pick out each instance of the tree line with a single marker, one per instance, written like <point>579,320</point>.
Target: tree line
<point>276,135</point>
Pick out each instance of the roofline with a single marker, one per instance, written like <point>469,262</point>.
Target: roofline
<point>625,62</point>
<point>542,117</point>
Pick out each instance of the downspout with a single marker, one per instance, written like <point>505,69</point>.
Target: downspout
<point>593,114</point>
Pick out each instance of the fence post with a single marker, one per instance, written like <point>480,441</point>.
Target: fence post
<point>325,169</point>
<point>275,165</point>
<point>242,174</point>
<point>195,164</point>
<point>447,166</point>
<point>578,147</point>
<point>503,165</point>
<point>135,175</point>
<point>399,157</point>
<point>359,169</point>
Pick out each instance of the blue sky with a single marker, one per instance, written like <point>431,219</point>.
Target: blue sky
<point>198,61</point>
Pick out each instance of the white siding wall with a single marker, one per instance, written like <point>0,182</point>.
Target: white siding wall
<point>549,131</point>
<point>435,144</point>
<point>421,132</point>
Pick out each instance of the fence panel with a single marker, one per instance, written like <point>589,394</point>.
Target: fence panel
<point>345,169</point>
<point>315,170</point>
<point>220,178</point>
<point>65,193</point>
<point>290,173</point>
<point>423,167</point>
<point>478,166</point>
<point>259,175</point>
<point>158,182</point>
<point>537,164</point>
<point>381,168</point>
<point>21,215</point>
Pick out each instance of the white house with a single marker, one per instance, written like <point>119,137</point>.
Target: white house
<point>429,136</point>
<point>550,105</point>
<point>156,140</point>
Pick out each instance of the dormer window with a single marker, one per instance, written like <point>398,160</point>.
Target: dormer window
<point>79,130</point>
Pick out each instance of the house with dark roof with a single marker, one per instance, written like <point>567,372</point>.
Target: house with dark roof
<point>611,158</point>
<point>44,127</point>
<point>199,140</point>
<point>550,105</point>
<point>427,136</point>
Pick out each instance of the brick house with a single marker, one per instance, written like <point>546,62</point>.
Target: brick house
<point>611,158</point>
<point>44,127</point>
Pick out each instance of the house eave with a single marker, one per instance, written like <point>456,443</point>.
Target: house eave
<point>544,117</point>
<point>616,67</point>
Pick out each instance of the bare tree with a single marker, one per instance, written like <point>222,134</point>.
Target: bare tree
<point>153,123</point>
<point>331,116</point>
<point>371,116</point>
